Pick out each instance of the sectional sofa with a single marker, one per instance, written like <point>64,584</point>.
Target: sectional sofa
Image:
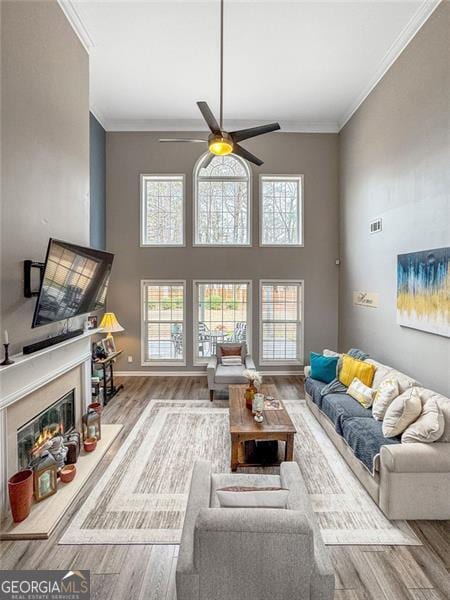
<point>406,480</point>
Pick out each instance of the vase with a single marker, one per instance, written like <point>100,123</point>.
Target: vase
<point>249,395</point>
<point>20,489</point>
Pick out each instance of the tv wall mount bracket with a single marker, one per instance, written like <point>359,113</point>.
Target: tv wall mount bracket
<point>28,265</point>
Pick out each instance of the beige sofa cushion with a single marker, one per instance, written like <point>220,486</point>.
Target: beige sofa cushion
<point>387,391</point>
<point>404,381</point>
<point>429,427</point>
<point>402,411</point>
<point>382,371</point>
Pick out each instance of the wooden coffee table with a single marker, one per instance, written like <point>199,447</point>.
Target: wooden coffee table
<point>277,425</point>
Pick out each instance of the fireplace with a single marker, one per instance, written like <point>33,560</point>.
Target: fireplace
<point>58,418</point>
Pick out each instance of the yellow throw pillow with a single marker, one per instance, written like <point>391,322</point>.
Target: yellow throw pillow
<point>360,392</point>
<point>352,367</point>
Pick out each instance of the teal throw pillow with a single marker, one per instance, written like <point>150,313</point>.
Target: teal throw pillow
<point>323,368</point>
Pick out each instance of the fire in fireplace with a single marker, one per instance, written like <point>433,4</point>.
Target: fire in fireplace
<point>57,419</point>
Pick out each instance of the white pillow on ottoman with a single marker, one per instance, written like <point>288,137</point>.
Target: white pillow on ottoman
<point>429,427</point>
<point>402,411</point>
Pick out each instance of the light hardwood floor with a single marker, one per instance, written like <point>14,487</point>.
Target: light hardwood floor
<point>148,572</point>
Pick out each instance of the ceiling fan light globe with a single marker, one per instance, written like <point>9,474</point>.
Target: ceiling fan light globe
<point>220,146</point>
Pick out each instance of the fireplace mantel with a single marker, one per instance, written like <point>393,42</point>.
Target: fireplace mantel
<point>31,372</point>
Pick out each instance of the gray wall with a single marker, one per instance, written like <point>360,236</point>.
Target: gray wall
<point>395,164</point>
<point>97,179</point>
<point>314,155</point>
<point>45,148</point>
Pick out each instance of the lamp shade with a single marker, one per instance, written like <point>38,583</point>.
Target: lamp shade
<point>110,323</point>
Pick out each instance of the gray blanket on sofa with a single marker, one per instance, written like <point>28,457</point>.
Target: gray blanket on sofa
<point>336,386</point>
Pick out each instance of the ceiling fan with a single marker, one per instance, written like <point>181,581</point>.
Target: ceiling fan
<point>221,142</point>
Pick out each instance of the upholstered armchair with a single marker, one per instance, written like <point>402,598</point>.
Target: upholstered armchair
<point>251,553</point>
<point>220,376</point>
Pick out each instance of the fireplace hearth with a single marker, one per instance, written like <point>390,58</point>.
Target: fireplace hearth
<point>57,419</point>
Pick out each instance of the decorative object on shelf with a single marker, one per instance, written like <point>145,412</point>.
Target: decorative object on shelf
<point>258,403</point>
<point>108,345</point>
<point>68,473</point>
<point>45,476</point>
<point>422,290</point>
<point>110,324</point>
<point>72,442</point>
<point>91,425</point>
<point>96,406</point>
<point>92,322</point>
<point>20,490</point>
<point>255,380</point>
<point>90,444</point>
<point>6,360</point>
<point>98,352</point>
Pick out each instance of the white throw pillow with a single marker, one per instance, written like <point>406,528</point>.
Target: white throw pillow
<point>443,405</point>
<point>252,497</point>
<point>232,360</point>
<point>429,427</point>
<point>387,391</point>
<point>361,392</point>
<point>401,412</point>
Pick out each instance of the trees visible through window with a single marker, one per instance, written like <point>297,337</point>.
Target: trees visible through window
<point>222,201</point>
<point>281,216</point>
<point>222,310</point>
<point>163,322</point>
<point>281,322</point>
<point>162,211</point>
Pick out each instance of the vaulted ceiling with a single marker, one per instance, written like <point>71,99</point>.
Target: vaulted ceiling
<point>306,64</point>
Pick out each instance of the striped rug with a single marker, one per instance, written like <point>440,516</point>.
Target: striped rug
<point>142,495</point>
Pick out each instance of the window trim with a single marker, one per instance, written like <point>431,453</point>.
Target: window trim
<point>196,244</point>
<point>160,362</point>
<point>301,205</point>
<point>300,326</point>
<point>142,242</point>
<point>201,361</point>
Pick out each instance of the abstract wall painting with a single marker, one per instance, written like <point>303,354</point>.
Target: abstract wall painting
<point>423,290</point>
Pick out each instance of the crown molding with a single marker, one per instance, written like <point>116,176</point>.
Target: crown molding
<point>417,21</point>
<point>77,24</point>
<point>229,125</point>
<point>98,115</point>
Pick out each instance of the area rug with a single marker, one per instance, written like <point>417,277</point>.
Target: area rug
<point>142,496</point>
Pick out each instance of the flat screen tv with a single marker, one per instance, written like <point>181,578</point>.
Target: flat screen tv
<point>74,282</point>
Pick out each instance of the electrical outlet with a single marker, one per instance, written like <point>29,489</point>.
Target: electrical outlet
<point>130,359</point>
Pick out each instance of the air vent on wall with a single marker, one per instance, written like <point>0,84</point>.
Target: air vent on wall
<point>376,226</point>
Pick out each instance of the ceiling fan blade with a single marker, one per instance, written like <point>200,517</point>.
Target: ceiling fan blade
<point>165,140</point>
<point>209,118</point>
<point>243,153</point>
<point>245,134</point>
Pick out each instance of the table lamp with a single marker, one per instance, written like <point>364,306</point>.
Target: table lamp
<point>110,324</point>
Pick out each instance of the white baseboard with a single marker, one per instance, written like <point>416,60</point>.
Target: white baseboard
<point>193,373</point>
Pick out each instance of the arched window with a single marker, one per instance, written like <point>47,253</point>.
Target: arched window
<point>222,201</point>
